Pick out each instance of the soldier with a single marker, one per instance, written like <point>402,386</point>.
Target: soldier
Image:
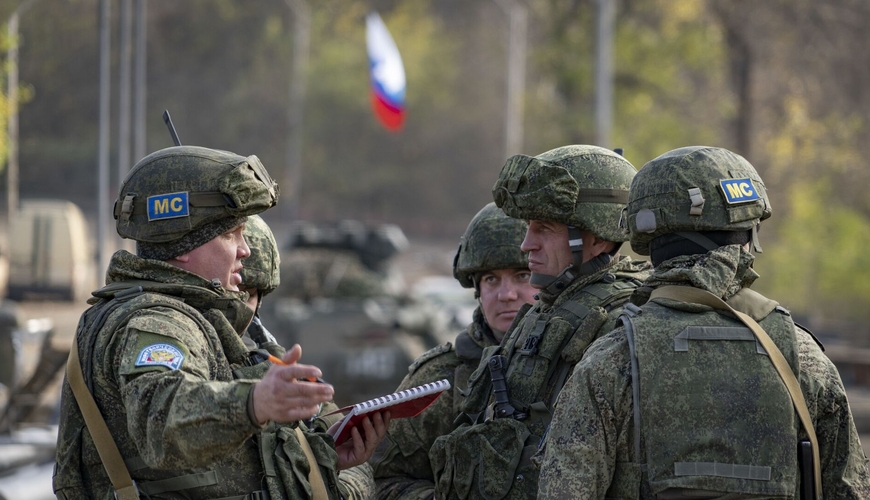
<point>261,275</point>
<point>572,198</point>
<point>710,389</point>
<point>154,397</point>
<point>489,260</point>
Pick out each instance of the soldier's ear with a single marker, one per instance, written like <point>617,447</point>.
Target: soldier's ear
<point>185,257</point>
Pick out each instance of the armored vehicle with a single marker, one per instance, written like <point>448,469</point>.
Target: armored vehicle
<point>344,302</point>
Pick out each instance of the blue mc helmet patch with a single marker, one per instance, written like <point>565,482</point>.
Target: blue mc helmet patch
<point>738,190</point>
<point>168,206</point>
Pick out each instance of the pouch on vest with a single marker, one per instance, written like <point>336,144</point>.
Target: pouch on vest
<point>286,467</point>
<point>488,462</point>
<point>715,415</point>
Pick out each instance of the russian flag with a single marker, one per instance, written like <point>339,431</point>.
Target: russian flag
<point>387,74</point>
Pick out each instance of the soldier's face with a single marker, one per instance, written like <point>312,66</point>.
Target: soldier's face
<point>547,245</point>
<point>220,258</point>
<point>502,293</point>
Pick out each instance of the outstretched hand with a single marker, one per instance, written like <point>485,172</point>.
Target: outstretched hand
<point>282,397</point>
<point>358,449</point>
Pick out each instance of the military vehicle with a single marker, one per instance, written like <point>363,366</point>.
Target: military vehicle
<point>345,303</point>
<point>50,258</point>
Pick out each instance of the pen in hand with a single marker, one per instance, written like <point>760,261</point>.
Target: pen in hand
<point>275,360</point>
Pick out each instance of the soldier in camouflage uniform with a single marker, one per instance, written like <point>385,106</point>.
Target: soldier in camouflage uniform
<point>489,260</point>
<point>572,198</point>
<point>260,277</point>
<point>160,347</point>
<point>688,398</point>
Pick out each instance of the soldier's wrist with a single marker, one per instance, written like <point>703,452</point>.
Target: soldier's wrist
<point>252,414</point>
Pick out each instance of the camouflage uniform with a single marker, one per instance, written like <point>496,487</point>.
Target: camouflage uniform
<point>262,271</point>
<point>401,463</point>
<point>160,346</point>
<point>171,423</point>
<point>488,454</point>
<point>701,403</point>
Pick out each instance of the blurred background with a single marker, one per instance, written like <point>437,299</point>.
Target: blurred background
<point>785,83</point>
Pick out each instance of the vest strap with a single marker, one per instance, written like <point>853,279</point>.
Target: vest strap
<point>703,297</point>
<point>179,483</point>
<point>125,488</point>
<point>318,487</point>
<point>681,341</point>
<point>736,471</point>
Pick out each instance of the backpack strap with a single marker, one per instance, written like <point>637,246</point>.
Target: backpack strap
<point>703,297</point>
<point>628,312</point>
<point>125,488</point>
<point>318,487</point>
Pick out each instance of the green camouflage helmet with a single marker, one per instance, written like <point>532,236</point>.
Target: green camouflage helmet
<point>262,269</point>
<point>176,190</point>
<point>581,186</point>
<point>694,189</point>
<point>492,241</point>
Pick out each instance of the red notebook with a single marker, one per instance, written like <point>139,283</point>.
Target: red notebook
<point>402,404</point>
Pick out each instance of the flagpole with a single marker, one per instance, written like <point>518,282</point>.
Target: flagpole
<point>517,17</point>
<point>296,105</point>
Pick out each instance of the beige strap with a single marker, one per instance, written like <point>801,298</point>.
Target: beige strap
<point>125,488</point>
<point>703,297</point>
<point>318,487</point>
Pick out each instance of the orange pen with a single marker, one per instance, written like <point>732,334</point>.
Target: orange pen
<point>277,361</point>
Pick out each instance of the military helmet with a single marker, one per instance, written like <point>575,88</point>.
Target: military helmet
<point>262,269</point>
<point>491,241</point>
<point>694,189</point>
<point>177,190</point>
<point>581,186</point>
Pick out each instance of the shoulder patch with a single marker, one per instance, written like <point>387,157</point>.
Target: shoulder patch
<point>738,190</point>
<point>430,354</point>
<point>160,354</point>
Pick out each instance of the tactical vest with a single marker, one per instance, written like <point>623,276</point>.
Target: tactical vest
<point>469,354</point>
<point>273,455</point>
<point>491,457</point>
<point>713,417</point>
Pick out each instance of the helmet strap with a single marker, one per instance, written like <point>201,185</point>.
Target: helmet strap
<point>699,239</point>
<point>756,244</point>
<point>555,284</point>
<point>575,243</point>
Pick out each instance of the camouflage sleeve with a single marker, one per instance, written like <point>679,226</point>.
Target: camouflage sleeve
<point>178,416</point>
<point>844,466</point>
<point>357,483</point>
<point>401,462</point>
<point>590,424</point>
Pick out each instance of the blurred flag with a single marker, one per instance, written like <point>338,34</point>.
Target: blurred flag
<point>387,74</point>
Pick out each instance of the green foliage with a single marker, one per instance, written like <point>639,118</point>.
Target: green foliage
<point>222,67</point>
<point>817,259</point>
<point>670,83</point>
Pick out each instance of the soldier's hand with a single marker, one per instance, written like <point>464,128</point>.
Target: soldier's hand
<point>359,449</point>
<point>281,397</point>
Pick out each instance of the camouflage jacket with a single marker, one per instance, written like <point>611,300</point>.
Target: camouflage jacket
<point>161,371</point>
<point>401,462</point>
<point>487,457</point>
<point>590,453</point>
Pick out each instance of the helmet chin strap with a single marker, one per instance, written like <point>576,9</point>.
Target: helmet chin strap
<point>555,284</point>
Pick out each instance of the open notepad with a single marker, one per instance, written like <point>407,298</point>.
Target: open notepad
<point>402,404</point>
